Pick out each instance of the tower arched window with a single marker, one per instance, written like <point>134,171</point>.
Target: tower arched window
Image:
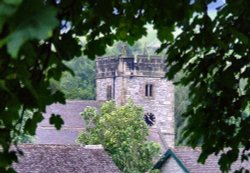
<point>149,90</point>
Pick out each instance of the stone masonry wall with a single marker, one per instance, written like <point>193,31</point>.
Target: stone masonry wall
<point>128,77</point>
<point>106,67</point>
<point>161,104</point>
<point>101,88</point>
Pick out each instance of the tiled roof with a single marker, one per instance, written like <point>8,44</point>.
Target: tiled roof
<point>154,135</point>
<point>73,123</point>
<point>188,158</point>
<point>40,158</point>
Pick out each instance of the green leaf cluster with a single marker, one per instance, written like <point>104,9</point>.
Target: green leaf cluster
<point>37,36</point>
<point>18,135</point>
<point>123,132</point>
<point>79,85</point>
<point>32,51</point>
<point>213,54</point>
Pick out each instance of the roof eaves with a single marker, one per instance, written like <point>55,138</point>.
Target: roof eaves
<point>166,156</point>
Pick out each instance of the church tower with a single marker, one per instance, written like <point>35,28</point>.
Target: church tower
<point>142,79</point>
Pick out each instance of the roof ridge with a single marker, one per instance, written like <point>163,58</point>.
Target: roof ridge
<point>186,147</point>
<point>97,146</point>
<point>73,100</point>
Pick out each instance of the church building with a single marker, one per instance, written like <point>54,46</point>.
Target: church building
<point>141,79</point>
<point>120,78</point>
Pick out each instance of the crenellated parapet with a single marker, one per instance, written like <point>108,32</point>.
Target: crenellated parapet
<point>152,66</point>
<point>142,79</point>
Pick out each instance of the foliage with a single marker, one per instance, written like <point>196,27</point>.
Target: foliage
<point>81,85</point>
<point>181,103</point>
<point>28,29</point>
<point>123,48</point>
<point>122,131</point>
<point>214,57</point>
<point>18,134</point>
<point>147,45</point>
<point>37,36</point>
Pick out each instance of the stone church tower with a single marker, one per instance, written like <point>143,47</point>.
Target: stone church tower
<point>142,79</point>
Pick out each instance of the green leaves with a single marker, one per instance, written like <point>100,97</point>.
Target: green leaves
<point>57,121</point>
<point>82,84</point>
<point>68,46</point>
<point>36,23</point>
<point>7,158</point>
<point>13,2</point>
<point>31,124</point>
<point>166,34</point>
<point>7,8</point>
<point>228,158</point>
<point>123,132</point>
<point>28,30</point>
<point>213,54</point>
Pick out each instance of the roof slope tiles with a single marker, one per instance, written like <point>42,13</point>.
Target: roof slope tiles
<point>186,157</point>
<point>41,158</point>
<point>73,123</point>
<point>189,158</point>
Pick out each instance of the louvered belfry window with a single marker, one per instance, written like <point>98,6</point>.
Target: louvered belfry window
<point>149,90</point>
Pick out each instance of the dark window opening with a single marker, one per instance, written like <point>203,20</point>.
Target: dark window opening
<point>109,92</point>
<point>149,90</point>
<point>130,65</point>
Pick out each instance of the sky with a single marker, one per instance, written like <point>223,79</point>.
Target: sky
<point>156,43</point>
<point>214,5</point>
<point>212,8</point>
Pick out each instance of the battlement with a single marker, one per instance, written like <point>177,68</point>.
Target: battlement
<point>142,79</point>
<point>140,65</point>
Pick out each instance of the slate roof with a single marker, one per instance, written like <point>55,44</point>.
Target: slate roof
<point>40,158</point>
<point>155,136</point>
<point>187,158</point>
<point>73,123</point>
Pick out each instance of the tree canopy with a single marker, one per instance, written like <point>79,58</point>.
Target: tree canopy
<point>123,133</point>
<point>80,85</point>
<point>37,36</point>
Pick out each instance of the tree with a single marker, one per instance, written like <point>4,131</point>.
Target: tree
<point>123,132</point>
<point>37,36</point>
<point>81,85</point>
<point>18,135</point>
<point>145,45</point>
<point>214,55</point>
<point>181,103</point>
